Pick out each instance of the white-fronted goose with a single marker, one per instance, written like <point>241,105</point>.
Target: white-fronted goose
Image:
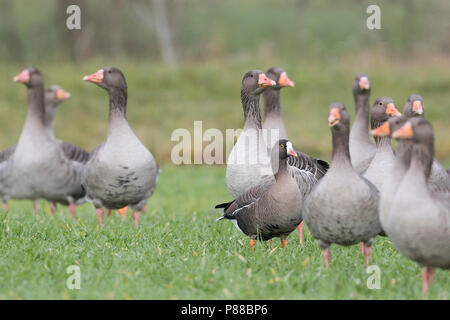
<point>414,108</point>
<point>419,221</point>
<point>121,171</point>
<point>248,164</point>
<point>305,169</point>
<point>269,211</point>
<point>362,149</point>
<point>38,167</point>
<point>342,208</point>
<point>384,158</point>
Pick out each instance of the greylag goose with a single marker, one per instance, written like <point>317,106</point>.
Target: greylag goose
<point>414,108</point>
<point>248,164</point>
<point>121,171</point>
<point>398,170</point>
<point>342,208</point>
<point>384,158</point>
<point>269,211</point>
<point>273,120</point>
<point>362,149</point>
<point>38,167</point>
<point>419,221</point>
<point>53,96</point>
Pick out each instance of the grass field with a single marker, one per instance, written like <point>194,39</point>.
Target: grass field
<point>180,252</point>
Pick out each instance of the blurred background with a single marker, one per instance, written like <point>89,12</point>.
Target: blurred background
<point>184,61</point>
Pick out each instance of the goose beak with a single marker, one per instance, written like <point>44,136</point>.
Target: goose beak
<point>334,117</point>
<point>284,81</point>
<point>23,77</point>
<point>405,132</point>
<point>264,81</point>
<point>364,83</point>
<point>62,95</point>
<point>417,107</point>
<point>95,77</point>
<point>382,131</point>
<point>290,149</point>
<point>391,111</point>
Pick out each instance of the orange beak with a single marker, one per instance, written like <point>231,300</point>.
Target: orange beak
<point>391,111</point>
<point>417,107</point>
<point>382,131</point>
<point>334,117</point>
<point>405,132</point>
<point>364,83</point>
<point>290,149</point>
<point>95,77</point>
<point>264,81</point>
<point>23,77</point>
<point>284,81</point>
<point>62,95</point>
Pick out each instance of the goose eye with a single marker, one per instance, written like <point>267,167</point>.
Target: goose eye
<point>282,146</point>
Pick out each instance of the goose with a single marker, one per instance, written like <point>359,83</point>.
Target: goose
<point>53,96</point>
<point>384,158</point>
<point>342,207</point>
<point>362,149</point>
<point>248,164</point>
<point>398,170</point>
<point>414,108</point>
<point>273,120</point>
<point>419,221</point>
<point>121,171</point>
<point>272,210</point>
<point>38,168</point>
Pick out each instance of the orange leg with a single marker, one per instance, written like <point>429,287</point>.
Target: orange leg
<point>144,209</point>
<point>5,205</point>
<point>108,212</point>
<point>300,233</point>
<point>283,243</point>
<point>136,218</point>
<point>100,216</point>
<point>367,255</point>
<point>72,208</point>
<point>362,247</point>
<point>35,205</point>
<point>427,277</point>
<point>252,243</point>
<point>123,211</point>
<point>326,257</point>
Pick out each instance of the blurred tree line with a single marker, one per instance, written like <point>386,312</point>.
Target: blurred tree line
<point>173,31</point>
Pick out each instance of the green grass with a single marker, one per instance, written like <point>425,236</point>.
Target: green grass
<point>180,252</point>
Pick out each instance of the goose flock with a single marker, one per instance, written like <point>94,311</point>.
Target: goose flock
<point>368,190</point>
<point>120,172</point>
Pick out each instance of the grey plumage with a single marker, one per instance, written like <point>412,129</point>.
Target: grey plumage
<point>342,207</point>
<point>362,149</point>
<point>121,171</point>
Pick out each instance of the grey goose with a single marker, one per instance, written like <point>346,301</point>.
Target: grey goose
<point>38,167</point>
<point>382,162</point>
<point>121,171</point>
<point>306,169</point>
<point>53,96</point>
<point>414,108</point>
<point>342,207</point>
<point>248,164</point>
<point>419,221</point>
<point>270,210</point>
<point>362,149</point>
